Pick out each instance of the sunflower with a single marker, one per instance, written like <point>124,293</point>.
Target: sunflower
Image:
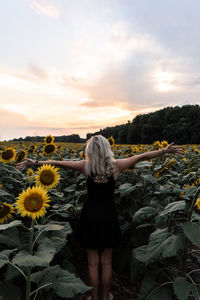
<point>156,145</point>
<point>49,149</point>
<point>47,176</point>
<point>164,144</point>
<point>7,155</point>
<point>32,148</point>
<point>20,156</point>
<point>33,202</point>
<point>198,203</point>
<point>30,173</point>
<point>49,139</point>
<point>5,211</point>
<point>111,140</point>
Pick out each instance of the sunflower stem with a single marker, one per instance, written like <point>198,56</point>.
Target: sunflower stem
<point>30,250</point>
<point>16,267</point>
<point>38,236</point>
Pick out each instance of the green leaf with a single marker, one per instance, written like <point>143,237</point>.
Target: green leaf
<point>42,257</point>
<point>12,272</point>
<point>57,238</point>
<point>160,293</point>
<point>149,178</point>
<point>5,196</point>
<point>11,224</point>
<point>4,193</point>
<point>192,231</point>
<point>68,285</point>
<point>163,244</point>
<point>125,186</point>
<point>10,237</point>
<point>181,288</point>
<point>174,206</point>
<point>148,284</point>
<point>143,164</point>
<point>144,213</point>
<point>71,188</point>
<point>126,189</point>
<point>195,216</point>
<point>45,276</point>
<point>49,227</point>
<point>8,291</point>
<point>140,253</point>
<point>4,256</point>
<point>64,283</point>
<point>195,291</point>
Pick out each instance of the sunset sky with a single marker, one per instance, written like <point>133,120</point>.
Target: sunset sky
<point>78,66</point>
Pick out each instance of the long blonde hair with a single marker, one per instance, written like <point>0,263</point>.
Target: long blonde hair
<point>100,161</point>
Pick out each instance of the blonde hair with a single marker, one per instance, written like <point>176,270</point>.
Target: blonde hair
<point>100,161</point>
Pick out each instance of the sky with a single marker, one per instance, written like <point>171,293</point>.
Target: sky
<point>75,67</point>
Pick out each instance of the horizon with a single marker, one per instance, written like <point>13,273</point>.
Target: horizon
<point>61,76</point>
<point>101,128</point>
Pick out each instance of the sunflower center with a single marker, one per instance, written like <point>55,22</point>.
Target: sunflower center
<point>48,139</point>
<point>4,210</point>
<point>20,156</point>
<point>33,203</point>
<point>49,148</point>
<point>7,154</point>
<point>47,178</point>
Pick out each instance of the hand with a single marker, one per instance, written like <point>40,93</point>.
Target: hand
<point>174,149</point>
<point>24,164</point>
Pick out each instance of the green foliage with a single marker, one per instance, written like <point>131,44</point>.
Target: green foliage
<point>174,206</point>
<point>4,256</point>
<point>162,244</point>
<point>42,257</point>
<point>192,231</point>
<point>64,283</point>
<point>144,213</point>
<point>181,288</point>
<point>11,224</point>
<point>10,237</point>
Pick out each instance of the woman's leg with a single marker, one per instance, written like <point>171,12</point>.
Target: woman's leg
<point>106,275</point>
<point>93,270</point>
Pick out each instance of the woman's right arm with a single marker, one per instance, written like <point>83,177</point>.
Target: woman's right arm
<point>66,164</point>
<point>126,163</point>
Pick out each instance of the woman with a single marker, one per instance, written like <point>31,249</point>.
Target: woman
<point>98,229</point>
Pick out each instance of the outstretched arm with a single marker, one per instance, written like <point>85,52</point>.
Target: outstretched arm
<point>66,164</point>
<point>126,163</point>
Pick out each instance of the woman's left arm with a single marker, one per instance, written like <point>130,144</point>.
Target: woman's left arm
<point>169,149</point>
<point>126,163</point>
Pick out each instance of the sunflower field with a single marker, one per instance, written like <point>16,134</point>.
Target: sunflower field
<point>158,207</point>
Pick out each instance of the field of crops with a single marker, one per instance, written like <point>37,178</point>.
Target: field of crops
<point>158,206</point>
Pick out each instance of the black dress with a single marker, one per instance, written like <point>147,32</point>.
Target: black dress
<point>98,225</point>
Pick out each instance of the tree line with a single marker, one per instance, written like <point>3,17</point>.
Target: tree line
<point>173,124</point>
<point>73,138</point>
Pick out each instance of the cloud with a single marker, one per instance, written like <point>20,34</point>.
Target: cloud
<point>45,7</point>
<point>36,71</point>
